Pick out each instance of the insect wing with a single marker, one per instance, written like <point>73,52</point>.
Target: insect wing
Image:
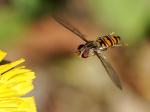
<point>70,27</point>
<point>111,72</point>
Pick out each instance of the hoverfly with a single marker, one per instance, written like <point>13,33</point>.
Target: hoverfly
<point>96,48</point>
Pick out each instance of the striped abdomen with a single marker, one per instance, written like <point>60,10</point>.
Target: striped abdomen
<point>108,41</point>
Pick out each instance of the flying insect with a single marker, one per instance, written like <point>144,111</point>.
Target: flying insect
<point>96,47</point>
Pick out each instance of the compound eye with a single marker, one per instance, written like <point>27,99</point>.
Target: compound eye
<point>85,54</point>
<point>80,46</point>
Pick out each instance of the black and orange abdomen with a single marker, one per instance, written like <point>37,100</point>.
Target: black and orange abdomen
<point>101,42</point>
<point>108,41</point>
<point>116,39</point>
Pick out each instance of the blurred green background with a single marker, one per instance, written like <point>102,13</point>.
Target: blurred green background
<point>130,18</point>
<point>65,82</point>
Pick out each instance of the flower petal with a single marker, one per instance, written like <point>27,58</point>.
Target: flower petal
<point>2,55</point>
<point>15,104</point>
<point>16,82</point>
<point>4,68</point>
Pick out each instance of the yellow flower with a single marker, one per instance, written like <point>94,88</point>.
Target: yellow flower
<point>15,81</point>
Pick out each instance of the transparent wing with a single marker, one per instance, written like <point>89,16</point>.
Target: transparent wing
<point>111,72</point>
<point>70,27</point>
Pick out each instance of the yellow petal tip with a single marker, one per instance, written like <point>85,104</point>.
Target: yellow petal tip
<point>2,55</point>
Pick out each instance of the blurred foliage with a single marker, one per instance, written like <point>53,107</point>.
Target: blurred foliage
<point>128,17</point>
<point>10,25</point>
<point>15,15</point>
<point>37,8</point>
